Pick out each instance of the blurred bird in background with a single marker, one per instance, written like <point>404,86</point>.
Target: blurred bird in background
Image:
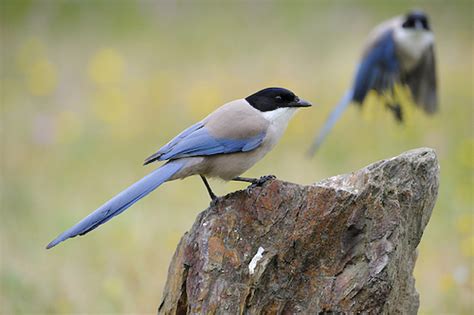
<point>398,51</point>
<point>225,144</point>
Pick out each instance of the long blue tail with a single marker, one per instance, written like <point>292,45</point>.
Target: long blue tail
<point>330,121</point>
<point>121,202</point>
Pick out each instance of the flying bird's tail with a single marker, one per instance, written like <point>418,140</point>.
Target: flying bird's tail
<point>330,121</point>
<point>121,202</point>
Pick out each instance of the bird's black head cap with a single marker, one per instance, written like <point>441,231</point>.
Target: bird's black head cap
<point>273,98</point>
<point>416,19</point>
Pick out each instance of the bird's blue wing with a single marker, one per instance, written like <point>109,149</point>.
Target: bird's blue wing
<point>379,69</point>
<point>201,142</point>
<point>198,141</point>
<point>169,146</point>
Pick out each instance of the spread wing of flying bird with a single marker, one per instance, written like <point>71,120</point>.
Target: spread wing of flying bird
<point>399,51</point>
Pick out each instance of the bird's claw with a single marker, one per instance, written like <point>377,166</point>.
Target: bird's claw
<point>263,179</point>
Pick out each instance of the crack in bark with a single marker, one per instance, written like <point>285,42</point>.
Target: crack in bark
<point>182,307</point>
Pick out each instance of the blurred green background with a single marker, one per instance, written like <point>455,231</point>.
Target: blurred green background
<point>91,88</point>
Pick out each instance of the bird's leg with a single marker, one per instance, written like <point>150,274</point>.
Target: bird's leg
<point>209,190</point>
<point>393,104</point>
<point>396,110</point>
<point>255,181</point>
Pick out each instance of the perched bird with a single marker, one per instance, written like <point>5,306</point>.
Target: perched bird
<point>225,144</point>
<point>398,51</point>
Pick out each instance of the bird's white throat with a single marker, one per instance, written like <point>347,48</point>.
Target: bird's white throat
<point>413,42</point>
<point>280,116</point>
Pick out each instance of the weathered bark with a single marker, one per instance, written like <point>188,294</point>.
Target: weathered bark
<point>345,244</point>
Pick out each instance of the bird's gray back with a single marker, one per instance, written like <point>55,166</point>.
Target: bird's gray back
<point>236,120</point>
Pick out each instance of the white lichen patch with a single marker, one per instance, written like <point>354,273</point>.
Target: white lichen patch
<point>255,260</point>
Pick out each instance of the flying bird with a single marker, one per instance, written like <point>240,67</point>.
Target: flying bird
<point>398,51</point>
<point>225,144</point>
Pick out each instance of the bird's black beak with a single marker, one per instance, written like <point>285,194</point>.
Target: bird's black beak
<point>299,102</point>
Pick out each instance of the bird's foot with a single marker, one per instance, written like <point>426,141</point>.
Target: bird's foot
<point>214,201</point>
<point>397,111</point>
<point>255,181</point>
<point>263,179</point>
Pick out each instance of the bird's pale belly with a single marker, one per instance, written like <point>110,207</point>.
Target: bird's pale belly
<point>229,166</point>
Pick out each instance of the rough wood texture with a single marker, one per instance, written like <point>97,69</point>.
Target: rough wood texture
<point>346,244</point>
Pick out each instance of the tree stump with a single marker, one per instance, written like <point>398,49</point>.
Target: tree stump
<point>344,245</point>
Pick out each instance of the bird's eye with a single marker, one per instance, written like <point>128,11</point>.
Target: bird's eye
<point>278,98</point>
<point>425,24</point>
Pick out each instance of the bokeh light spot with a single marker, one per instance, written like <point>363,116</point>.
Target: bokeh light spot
<point>203,97</point>
<point>106,67</point>
<point>69,126</point>
<point>42,78</point>
<point>109,106</point>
